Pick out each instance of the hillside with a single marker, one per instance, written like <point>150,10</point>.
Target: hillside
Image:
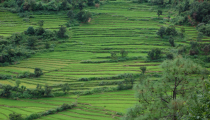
<point>86,54</point>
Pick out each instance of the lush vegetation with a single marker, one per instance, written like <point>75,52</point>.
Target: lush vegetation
<point>80,59</point>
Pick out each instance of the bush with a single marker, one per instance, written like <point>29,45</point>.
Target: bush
<point>39,31</point>
<point>169,56</point>
<point>171,41</point>
<point>161,31</point>
<point>171,31</point>
<point>70,14</point>
<point>154,54</point>
<point>61,32</point>
<point>30,31</point>
<point>123,53</point>
<point>84,16</point>
<point>15,116</point>
<point>38,72</point>
<point>143,69</point>
<point>31,41</point>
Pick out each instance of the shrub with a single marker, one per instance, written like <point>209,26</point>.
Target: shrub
<point>39,31</point>
<point>38,72</point>
<point>15,116</point>
<point>30,31</point>
<point>49,35</point>
<point>41,23</point>
<point>159,12</point>
<point>61,32</point>
<point>171,31</point>
<point>65,87</point>
<point>169,56</point>
<point>143,69</point>
<point>171,41</point>
<point>114,55</point>
<point>48,90</point>
<point>84,16</point>
<point>17,82</point>
<point>123,53</point>
<point>31,41</point>
<point>90,3</point>
<point>6,91</point>
<point>154,54</point>
<point>208,58</point>
<point>161,31</point>
<point>70,14</point>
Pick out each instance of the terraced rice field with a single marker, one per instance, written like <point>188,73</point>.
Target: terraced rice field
<point>120,25</point>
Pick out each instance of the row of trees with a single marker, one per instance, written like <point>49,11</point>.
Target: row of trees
<point>17,91</point>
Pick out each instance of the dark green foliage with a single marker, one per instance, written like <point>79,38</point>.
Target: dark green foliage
<point>41,23</point>
<point>154,54</point>
<point>159,12</point>
<point>47,45</point>
<point>65,87</point>
<point>208,58</point>
<point>70,14</point>
<point>161,31</point>
<point>30,31</point>
<point>182,50</point>
<point>19,2</point>
<point>15,116</point>
<point>205,29</point>
<point>61,32</point>
<point>48,90</point>
<point>155,100</point>
<point>200,36</point>
<point>169,56</point>
<point>171,41</point>
<point>170,30</point>
<point>39,31</point>
<point>17,82</point>
<point>183,30</point>
<point>114,55</point>
<point>32,41</point>
<point>4,77</point>
<point>90,3</point>
<point>17,38</point>
<point>84,16</point>
<point>6,91</point>
<point>143,69</point>
<point>97,1</point>
<point>37,72</point>
<point>199,104</point>
<point>194,48</point>
<point>81,6</point>
<point>123,53</point>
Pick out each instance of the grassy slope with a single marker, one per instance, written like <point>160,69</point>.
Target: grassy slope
<point>93,41</point>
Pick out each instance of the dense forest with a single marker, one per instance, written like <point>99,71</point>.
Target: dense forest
<point>103,60</point>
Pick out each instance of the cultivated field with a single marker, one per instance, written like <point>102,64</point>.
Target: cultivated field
<point>116,26</point>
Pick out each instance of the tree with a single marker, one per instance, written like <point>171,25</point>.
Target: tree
<point>31,41</point>
<point>65,87</point>
<point>90,3</point>
<point>166,98</point>
<point>61,32</point>
<point>38,72</point>
<point>171,41</point>
<point>70,14</point>
<point>199,104</point>
<point>15,116</point>
<point>154,54</point>
<point>30,31</point>
<point>123,53</point>
<point>47,90</point>
<point>114,55</point>
<point>161,31</point>
<point>41,23</point>
<point>6,91</point>
<point>17,82</point>
<point>143,69</point>
<point>84,16</point>
<point>159,12</point>
<point>81,6</point>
